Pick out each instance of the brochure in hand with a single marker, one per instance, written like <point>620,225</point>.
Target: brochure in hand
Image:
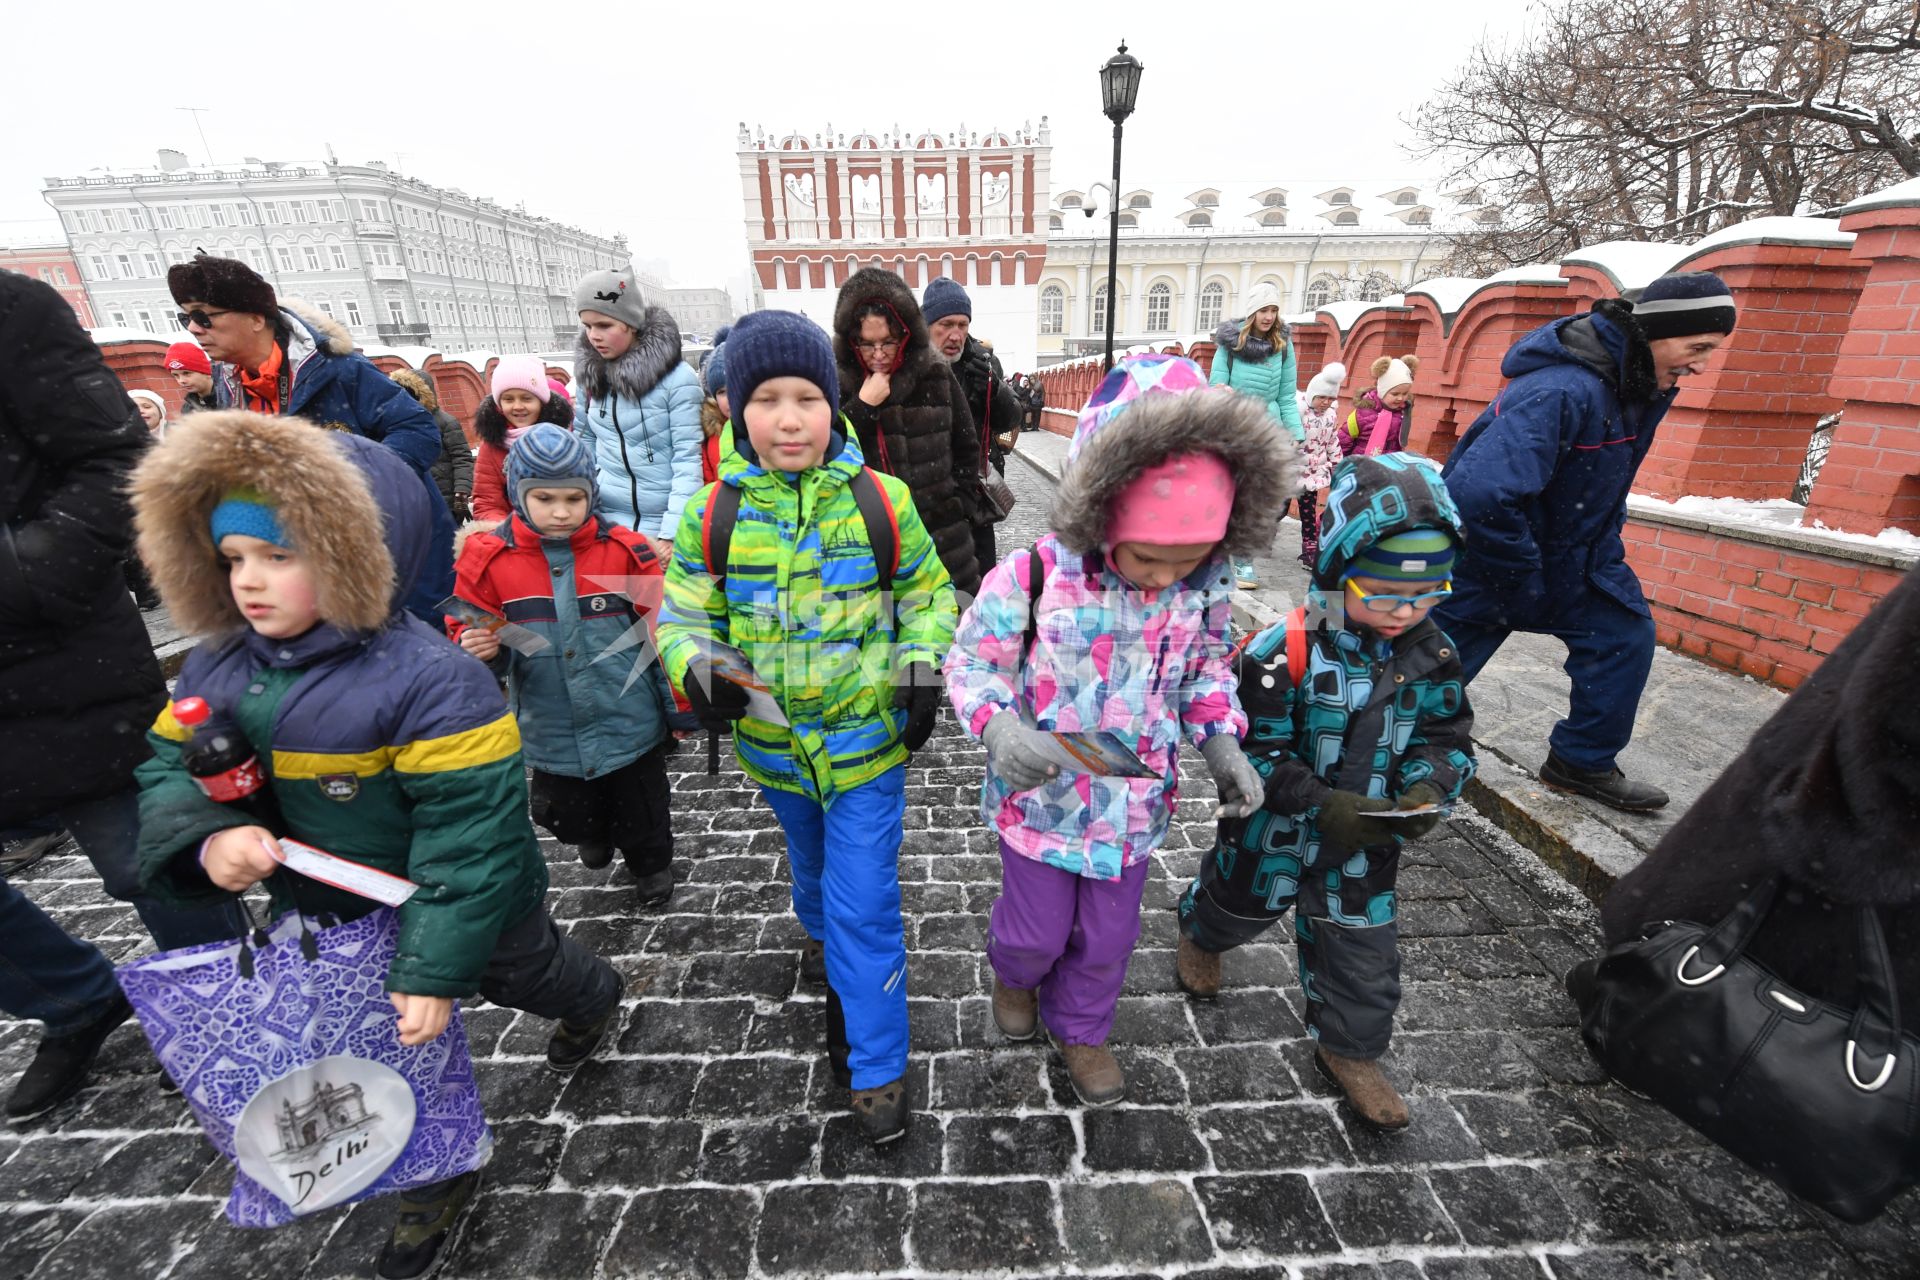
<point>731,665</point>
<point>1098,752</point>
<point>521,640</point>
<point>1391,814</point>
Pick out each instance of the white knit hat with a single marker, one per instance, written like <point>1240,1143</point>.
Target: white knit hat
<point>1261,295</point>
<point>1327,381</point>
<point>1397,375</point>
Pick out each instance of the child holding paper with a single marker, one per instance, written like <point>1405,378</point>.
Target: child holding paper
<point>291,550</point>
<point>592,702</point>
<point>1165,482</point>
<point>1379,722</point>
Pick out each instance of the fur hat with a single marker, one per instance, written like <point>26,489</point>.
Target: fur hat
<point>1680,306</point>
<point>225,283</point>
<point>188,356</point>
<point>943,298</point>
<point>1327,381</point>
<point>612,293</point>
<point>1261,295</point>
<point>547,457</point>
<point>778,344</point>
<point>417,387</point>
<point>321,499</point>
<point>520,373</point>
<point>1389,372</point>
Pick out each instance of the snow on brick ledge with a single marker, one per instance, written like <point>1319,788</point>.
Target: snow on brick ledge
<point>1778,522</point>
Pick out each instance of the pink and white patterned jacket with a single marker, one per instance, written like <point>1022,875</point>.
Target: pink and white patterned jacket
<point>1320,452</point>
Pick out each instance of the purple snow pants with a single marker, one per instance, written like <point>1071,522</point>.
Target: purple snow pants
<point>1070,937</point>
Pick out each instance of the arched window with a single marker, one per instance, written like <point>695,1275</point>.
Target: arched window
<point>1375,288</point>
<point>1053,309</point>
<point>1160,308</point>
<point>1129,220</point>
<point>1346,219</point>
<point>1419,218</point>
<point>1100,308</point>
<point>1213,301</point>
<point>1140,202</point>
<point>1054,223</point>
<point>1069,202</point>
<point>1320,292</point>
<point>1199,219</point>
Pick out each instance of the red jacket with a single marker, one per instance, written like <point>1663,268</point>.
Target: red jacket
<point>490,484</point>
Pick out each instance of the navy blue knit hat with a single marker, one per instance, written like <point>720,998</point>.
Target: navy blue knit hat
<point>777,344</point>
<point>1680,306</point>
<point>714,376</point>
<point>549,457</point>
<point>945,298</point>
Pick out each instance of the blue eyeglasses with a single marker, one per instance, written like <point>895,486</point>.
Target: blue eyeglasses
<point>1391,603</point>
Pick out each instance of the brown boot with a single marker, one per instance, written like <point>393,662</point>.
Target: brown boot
<point>1014,1011</point>
<point>1375,1101</point>
<point>1197,970</point>
<point>1097,1078</point>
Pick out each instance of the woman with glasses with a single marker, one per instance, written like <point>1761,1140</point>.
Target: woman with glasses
<point>910,413</point>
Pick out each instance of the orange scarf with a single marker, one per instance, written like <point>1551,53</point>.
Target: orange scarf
<point>263,387</point>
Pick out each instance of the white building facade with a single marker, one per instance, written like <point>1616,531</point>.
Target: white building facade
<point>697,311</point>
<point>970,206</point>
<point>395,260</point>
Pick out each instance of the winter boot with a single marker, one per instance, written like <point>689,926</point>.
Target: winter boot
<point>572,1045</point>
<point>61,1063</point>
<point>1096,1077</point>
<point>838,1050</point>
<point>595,854</point>
<point>813,962</point>
<point>21,854</point>
<point>1245,576</point>
<point>655,889</point>
<point>1015,1011</point>
<point>1197,969</point>
<point>883,1112</point>
<point>428,1216</point>
<point>1373,1099</point>
<point>1609,786</point>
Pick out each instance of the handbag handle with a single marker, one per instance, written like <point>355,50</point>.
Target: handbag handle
<point>1727,941</point>
<point>1879,1002</point>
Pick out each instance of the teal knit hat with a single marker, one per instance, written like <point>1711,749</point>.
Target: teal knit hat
<point>250,513</point>
<point>1415,555</point>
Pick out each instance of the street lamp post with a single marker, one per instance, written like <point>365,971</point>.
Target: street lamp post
<point>1119,86</point>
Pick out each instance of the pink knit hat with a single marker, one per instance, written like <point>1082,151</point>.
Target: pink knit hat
<point>559,388</point>
<point>1182,501</point>
<point>521,373</point>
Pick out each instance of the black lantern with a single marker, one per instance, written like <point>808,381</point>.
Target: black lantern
<point>1119,84</point>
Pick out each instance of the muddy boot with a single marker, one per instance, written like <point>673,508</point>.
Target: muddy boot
<point>428,1216</point>
<point>837,1047</point>
<point>1375,1101</point>
<point>1015,1011</point>
<point>1097,1079</point>
<point>883,1112</point>
<point>813,962</point>
<point>1197,970</point>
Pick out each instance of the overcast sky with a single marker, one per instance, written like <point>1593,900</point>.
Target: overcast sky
<point>622,118</point>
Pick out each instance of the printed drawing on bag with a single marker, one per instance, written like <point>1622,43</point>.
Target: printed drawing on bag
<point>332,1111</point>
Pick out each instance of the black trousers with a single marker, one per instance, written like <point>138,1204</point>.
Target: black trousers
<point>628,808</point>
<point>537,968</point>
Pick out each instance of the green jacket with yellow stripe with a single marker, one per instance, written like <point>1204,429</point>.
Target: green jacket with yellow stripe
<point>392,748</point>
<point>802,598</point>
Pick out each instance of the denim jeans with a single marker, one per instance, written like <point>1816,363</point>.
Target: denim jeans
<point>46,973</point>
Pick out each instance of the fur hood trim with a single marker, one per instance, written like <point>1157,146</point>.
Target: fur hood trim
<point>491,425</point>
<point>417,387</point>
<point>327,331</point>
<point>470,528</point>
<point>1236,428</point>
<point>325,504</point>
<point>874,284</point>
<point>656,352</point>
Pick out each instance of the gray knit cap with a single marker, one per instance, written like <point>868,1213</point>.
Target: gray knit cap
<point>612,293</point>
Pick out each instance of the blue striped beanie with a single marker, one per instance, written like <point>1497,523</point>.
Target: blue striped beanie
<point>1415,555</point>
<point>549,457</point>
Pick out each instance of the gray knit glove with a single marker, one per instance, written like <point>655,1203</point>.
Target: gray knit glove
<point>1241,787</point>
<point>1013,752</point>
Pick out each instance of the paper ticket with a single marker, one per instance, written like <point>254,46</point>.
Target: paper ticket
<point>341,873</point>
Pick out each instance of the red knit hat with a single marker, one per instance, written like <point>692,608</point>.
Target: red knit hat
<point>188,356</point>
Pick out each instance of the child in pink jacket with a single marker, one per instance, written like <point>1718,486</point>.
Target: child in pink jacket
<point>1378,423</point>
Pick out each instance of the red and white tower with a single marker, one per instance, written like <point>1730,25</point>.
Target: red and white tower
<point>966,205</point>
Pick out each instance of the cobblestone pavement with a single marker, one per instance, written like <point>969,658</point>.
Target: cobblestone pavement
<point>711,1142</point>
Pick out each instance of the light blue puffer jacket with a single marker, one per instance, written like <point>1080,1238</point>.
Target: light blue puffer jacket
<point>1272,380</point>
<point>640,415</point>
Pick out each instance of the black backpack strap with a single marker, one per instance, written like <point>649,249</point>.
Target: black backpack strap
<point>716,530</point>
<point>883,526</point>
<point>1036,578</point>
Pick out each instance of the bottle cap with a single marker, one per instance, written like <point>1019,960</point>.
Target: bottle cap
<point>192,712</point>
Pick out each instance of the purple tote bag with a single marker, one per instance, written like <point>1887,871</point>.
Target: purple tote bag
<point>284,1046</point>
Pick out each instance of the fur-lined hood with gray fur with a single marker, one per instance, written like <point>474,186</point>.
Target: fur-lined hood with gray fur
<point>656,352</point>
<point>353,509</point>
<point>1150,409</point>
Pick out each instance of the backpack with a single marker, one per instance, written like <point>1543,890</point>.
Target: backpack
<point>1296,645</point>
<point>876,510</point>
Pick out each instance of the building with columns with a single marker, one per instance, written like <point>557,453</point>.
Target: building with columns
<point>1187,257</point>
<point>969,205</point>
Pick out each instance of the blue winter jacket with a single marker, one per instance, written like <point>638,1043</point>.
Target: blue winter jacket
<point>1541,478</point>
<point>640,414</point>
<point>332,385</point>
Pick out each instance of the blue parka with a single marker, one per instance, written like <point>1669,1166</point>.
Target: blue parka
<point>1541,478</point>
<point>1272,379</point>
<point>640,415</point>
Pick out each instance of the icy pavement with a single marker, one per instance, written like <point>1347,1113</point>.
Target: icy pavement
<point>711,1142</point>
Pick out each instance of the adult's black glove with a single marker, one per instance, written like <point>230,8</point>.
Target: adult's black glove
<point>717,701</point>
<point>918,694</point>
<point>1343,818</point>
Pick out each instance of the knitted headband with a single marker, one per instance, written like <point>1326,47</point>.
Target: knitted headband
<point>250,513</point>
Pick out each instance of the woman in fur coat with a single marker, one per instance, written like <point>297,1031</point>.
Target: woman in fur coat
<point>639,406</point>
<point>911,413</point>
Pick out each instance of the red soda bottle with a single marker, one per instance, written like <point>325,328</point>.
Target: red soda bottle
<point>224,764</point>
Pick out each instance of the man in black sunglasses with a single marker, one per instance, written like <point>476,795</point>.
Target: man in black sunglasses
<point>279,358</point>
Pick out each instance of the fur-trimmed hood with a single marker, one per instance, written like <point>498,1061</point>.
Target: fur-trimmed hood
<point>656,352</point>
<point>915,361</point>
<point>354,510</point>
<point>1257,349</point>
<point>326,331</point>
<point>417,387</point>
<point>1151,408</point>
<point>491,425</point>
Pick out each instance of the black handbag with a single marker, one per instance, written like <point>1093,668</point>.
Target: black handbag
<point>1822,1099</point>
